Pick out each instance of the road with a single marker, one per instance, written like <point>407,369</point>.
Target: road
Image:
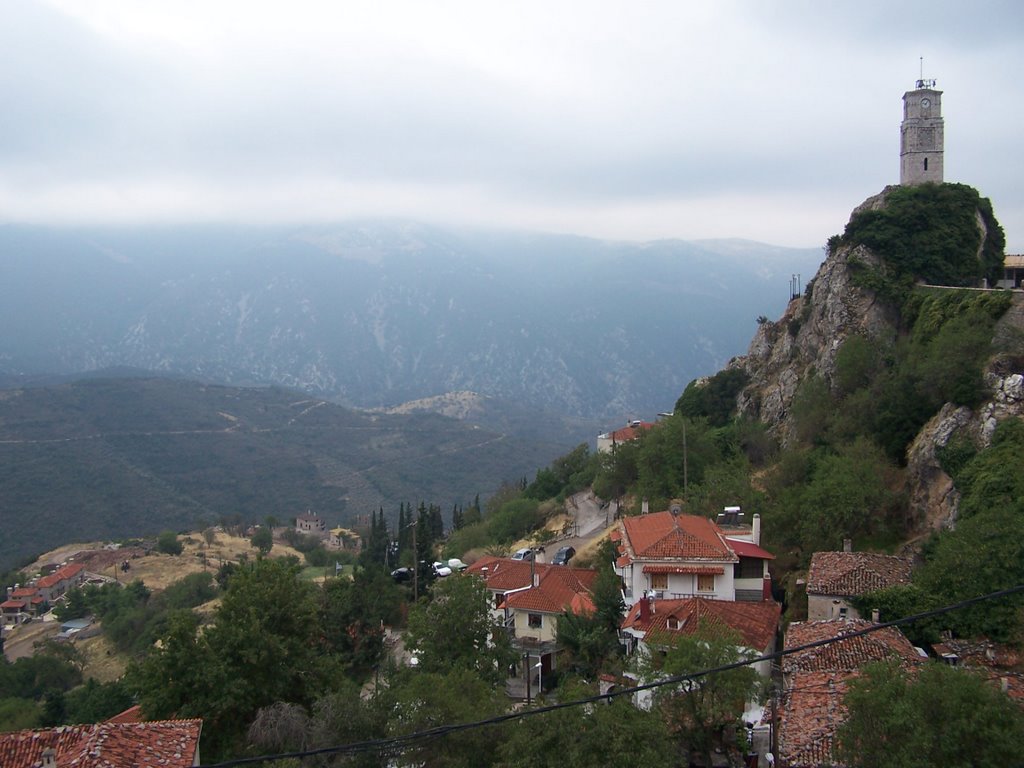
<point>589,522</point>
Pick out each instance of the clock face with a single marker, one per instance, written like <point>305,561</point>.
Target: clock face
<point>926,103</point>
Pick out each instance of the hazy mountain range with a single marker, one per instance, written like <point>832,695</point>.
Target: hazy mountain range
<point>373,314</point>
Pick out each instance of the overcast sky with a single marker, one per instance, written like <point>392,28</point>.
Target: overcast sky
<point>630,120</point>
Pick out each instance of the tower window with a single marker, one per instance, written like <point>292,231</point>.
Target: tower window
<point>926,163</point>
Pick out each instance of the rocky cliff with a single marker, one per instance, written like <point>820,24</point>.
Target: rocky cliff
<point>805,341</point>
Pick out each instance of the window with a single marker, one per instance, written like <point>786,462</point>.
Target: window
<point>926,163</point>
<point>748,568</point>
<point>659,581</point>
<point>535,620</point>
<point>705,582</point>
<point>498,599</point>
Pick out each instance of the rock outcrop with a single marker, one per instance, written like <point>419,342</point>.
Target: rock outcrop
<point>807,337</point>
<point>805,340</point>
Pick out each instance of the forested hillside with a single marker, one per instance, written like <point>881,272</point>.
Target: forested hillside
<point>118,458</point>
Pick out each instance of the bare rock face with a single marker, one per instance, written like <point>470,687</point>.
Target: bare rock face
<point>933,497</point>
<point>808,336</point>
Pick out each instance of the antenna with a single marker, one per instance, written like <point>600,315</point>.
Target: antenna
<point>922,83</point>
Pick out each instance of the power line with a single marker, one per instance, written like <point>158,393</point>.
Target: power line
<point>397,743</point>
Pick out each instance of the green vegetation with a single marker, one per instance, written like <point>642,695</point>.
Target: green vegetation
<point>167,542</point>
<point>928,232</point>
<point>700,711</point>
<point>713,399</point>
<point>940,716</point>
<point>134,457</point>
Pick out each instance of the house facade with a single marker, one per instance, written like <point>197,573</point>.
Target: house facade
<point>835,578</point>
<point>312,524</point>
<point>607,441</point>
<point>653,623</point>
<point>527,598</point>
<point>673,556</point>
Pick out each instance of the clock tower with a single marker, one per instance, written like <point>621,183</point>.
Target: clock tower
<point>921,136</point>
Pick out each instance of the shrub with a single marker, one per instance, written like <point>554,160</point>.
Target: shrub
<point>167,542</point>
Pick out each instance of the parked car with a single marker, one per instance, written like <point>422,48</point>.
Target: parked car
<point>441,570</point>
<point>563,556</point>
<point>402,574</point>
<point>523,554</point>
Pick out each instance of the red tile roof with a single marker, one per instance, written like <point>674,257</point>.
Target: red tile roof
<point>845,574</point>
<point>756,623</point>
<point>167,744</point>
<point>662,536</point>
<point>24,592</point>
<point>64,574</point>
<point>848,654</point>
<point>503,573</point>
<point>810,712</point>
<point>628,433</point>
<point>560,588</point>
<point>130,715</point>
<point>10,604</point>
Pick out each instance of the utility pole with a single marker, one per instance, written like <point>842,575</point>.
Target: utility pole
<point>686,466</point>
<point>415,566</point>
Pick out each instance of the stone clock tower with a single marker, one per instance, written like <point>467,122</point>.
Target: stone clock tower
<point>921,135</point>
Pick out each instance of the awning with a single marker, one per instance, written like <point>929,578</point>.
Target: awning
<point>700,570</point>
<point>749,549</point>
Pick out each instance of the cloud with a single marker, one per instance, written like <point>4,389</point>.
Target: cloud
<point>586,117</point>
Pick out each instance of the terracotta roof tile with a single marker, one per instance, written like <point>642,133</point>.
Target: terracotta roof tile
<point>628,433</point>
<point>503,573</point>
<point>64,574</point>
<point>846,574</point>
<point>811,709</point>
<point>756,623</point>
<point>168,744</point>
<point>560,588</point>
<point>662,535</point>
<point>847,654</point>
<point>24,592</point>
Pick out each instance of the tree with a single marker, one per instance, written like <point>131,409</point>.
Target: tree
<point>422,700</point>
<point>455,630</point>
<point>263,540</point>
<point>700,710</point>
<point>352,613</point>
<point>167,542</point>
<point>613,733</point>
<point>940,716</point>
<point>593,639</point>
<point>261,648</point>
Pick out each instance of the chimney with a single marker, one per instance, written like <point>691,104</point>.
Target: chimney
<point>874,616</point>
<point>755,529</point>
<point>766,588</point>
<point>49,758</point>
<point>645,507</point>
<point>645,609</point>
<point>847,545</point>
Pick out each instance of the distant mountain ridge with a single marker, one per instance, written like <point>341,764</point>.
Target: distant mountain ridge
<point>374,314</point>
